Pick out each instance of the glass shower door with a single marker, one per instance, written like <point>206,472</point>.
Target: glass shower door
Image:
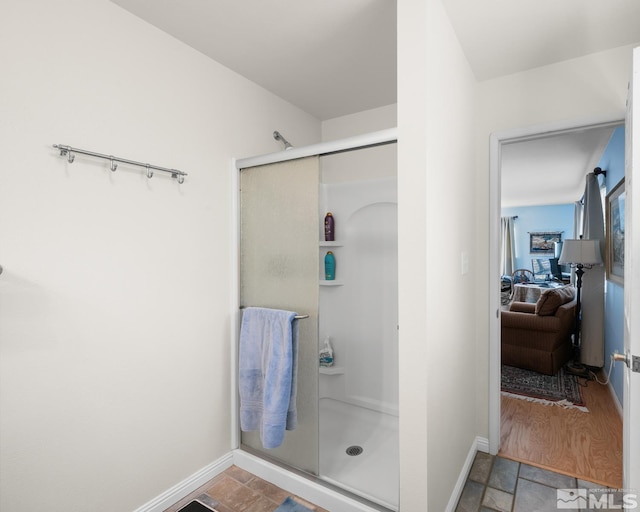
<point>279,269</point>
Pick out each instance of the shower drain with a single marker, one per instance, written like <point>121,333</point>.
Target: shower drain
<point>354,450</point>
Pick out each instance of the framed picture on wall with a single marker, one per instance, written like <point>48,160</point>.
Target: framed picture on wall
<point>542,242</point>
<point>614,260</point>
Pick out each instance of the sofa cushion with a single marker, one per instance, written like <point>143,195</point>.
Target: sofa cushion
<point>551,300</point>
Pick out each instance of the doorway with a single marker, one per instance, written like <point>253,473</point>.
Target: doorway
<point>554,419</point>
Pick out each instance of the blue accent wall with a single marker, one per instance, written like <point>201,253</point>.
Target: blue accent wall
<point>613,162</point>
<point>556,217</point>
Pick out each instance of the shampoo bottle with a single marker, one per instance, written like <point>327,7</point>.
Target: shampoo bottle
<point>329,228</point>
<point>329,266</point>
<point>326,353</point>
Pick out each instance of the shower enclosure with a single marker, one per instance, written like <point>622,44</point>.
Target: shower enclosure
<point>347,433</point>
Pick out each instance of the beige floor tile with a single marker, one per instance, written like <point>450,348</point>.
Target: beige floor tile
<point>268,490</point>
<point>223,508</point>
<point>262,504</point>
<point>239,474</point>
<point>233,494</point>
<point>237,490</point>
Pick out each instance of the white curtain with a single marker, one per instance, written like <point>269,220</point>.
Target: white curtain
<point>592,328</point>
<point>507,249</point>
<point>577,219</point>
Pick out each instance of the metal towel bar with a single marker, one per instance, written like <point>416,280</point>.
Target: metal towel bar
<point>297,317</point>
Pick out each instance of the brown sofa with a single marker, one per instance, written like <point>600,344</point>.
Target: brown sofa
<point>538,336</point>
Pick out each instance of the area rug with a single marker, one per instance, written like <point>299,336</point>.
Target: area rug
<point>290,505</point>
<point>561,389</point>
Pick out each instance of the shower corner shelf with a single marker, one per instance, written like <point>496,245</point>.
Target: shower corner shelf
<point>324,243</point>
<point>332,370</point>
<point>324,282</point>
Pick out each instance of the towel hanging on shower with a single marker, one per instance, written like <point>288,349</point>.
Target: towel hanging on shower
<point>268,373</point>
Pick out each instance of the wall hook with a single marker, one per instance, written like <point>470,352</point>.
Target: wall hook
<point>69,152</point>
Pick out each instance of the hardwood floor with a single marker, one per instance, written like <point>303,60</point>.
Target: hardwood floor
<point>569,441</point>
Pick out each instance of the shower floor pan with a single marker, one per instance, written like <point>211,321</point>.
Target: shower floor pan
<point>359,451</point>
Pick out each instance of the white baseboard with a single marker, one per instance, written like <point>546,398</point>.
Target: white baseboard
<point>291,482</point>
<point>187,486</point>
<point>480,444</point>
<point>614,397</point>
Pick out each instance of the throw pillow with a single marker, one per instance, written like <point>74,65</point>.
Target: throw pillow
<point>551,300</point>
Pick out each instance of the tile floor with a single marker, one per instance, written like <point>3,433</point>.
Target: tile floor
<point>236,490</point>
<point>504,485</point>
<point>494,484</point>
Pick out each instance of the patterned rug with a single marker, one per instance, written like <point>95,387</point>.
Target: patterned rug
<point>561,389</point>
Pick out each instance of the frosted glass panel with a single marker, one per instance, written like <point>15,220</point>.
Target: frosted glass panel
<point>279,269</point>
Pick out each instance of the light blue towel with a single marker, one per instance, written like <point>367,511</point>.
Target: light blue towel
<point>268,373</point>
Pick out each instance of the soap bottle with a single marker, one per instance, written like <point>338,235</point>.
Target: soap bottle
<point>329,266</point>
<point>326,353</point>
<point>329,228</point>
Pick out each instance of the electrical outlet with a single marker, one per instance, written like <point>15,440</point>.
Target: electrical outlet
<point>635,364</point>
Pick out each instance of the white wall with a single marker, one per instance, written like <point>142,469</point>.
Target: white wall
<point>362,122</point>
<point>412,283</point>
<point>451,195</point>
<point>437,186</point>
<point>577,89</point>
<point>114,301</point>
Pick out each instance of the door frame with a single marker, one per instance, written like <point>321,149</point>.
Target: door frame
<point>496,140</point>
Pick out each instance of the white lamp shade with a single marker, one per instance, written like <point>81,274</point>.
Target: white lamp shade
<point>585,252</point>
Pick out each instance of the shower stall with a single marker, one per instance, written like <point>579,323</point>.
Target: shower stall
<point>347,432</point>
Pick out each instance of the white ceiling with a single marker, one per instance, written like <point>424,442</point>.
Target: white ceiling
<point>501,37</point>
<point>337,57</point>
<point>551,169</point>
<point>328,57</point>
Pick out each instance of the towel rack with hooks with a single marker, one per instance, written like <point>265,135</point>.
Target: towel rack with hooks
<point>69,152</point>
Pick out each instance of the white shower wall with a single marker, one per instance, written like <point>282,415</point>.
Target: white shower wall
<point>360,315</point>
